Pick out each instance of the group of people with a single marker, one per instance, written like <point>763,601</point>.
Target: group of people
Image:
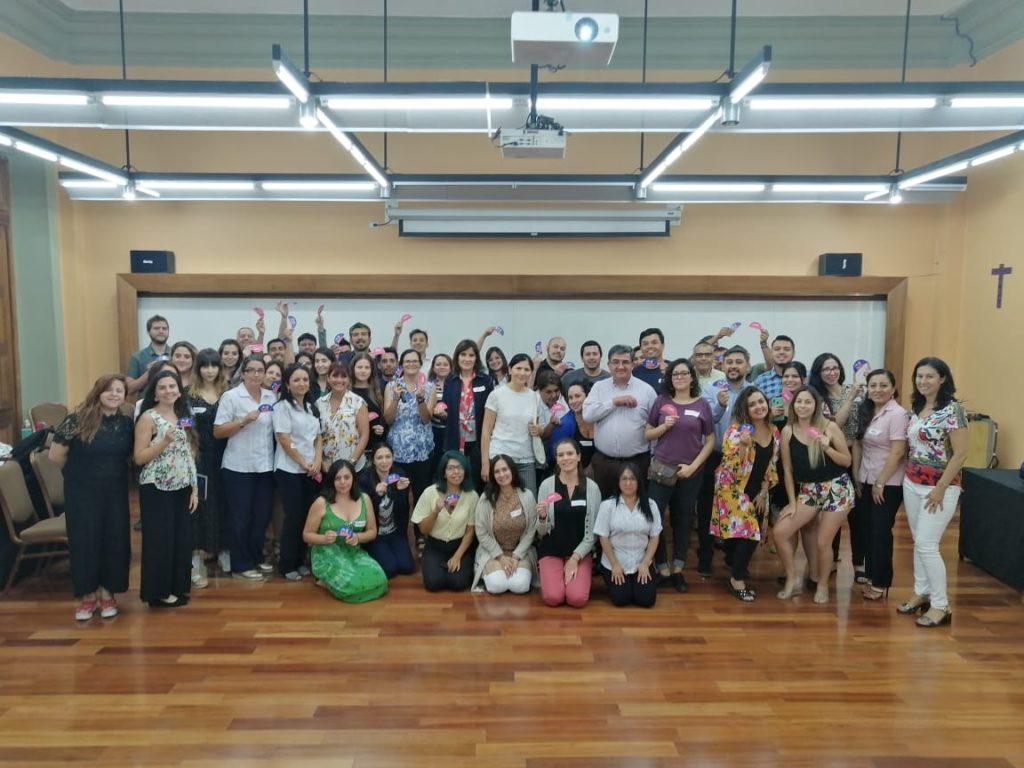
<point>513,472</point>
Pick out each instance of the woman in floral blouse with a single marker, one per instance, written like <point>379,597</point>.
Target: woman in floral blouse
<point>407,411</point>
<point>344,420</point>
<point>937,448</point>
<point>750,452</point>
<point>168,493</point>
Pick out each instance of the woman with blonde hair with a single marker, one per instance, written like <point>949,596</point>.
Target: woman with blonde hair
<point>93,446</point>
<point>816,459</point>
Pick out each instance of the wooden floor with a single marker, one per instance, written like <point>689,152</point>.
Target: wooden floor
<point>280,674</point>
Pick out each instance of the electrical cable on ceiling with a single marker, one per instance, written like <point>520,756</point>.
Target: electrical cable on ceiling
<point>963,35</point>
<point>903,78</point>
<point>124,76</point>
<point>643,79</point>
<point>385,76</point>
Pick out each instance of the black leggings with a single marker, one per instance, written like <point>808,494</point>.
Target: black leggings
<point>436,554</point>
<point>681,500</point>
<point>631,591</point>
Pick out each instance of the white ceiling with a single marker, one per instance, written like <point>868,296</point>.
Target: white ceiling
<point>504,8</point>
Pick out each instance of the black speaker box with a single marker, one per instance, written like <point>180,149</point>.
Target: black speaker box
<point>840,264</point>
<point>152,261</point>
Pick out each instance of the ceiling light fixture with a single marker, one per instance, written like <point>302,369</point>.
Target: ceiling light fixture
<point>986,102</point>
<point>419,103</point>
<point>921,178</point>
<point>49,99</point>
<point>318,186</point>
<point>697,186</point>
<point>291,77</point>
<point>751,75</point>
<point>5,141</point>
<point>829,187</point>
<point>197,102</point>
<point>87,184</point>
<point>307,115</point>
<point>32,149</point>
<point>187,184</point>
<point>626,103</point>
<point>995,154</point>
<point>351,144</point>
<point>91,170</point>
<point>836,102</point>
<point>680,145</point>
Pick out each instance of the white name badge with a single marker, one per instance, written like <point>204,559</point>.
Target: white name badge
<point>515,513</point>
<point>586,443</point>
<point>874,431</point>
<point>481,388</point>
<point>199,409</point>
<point>579,502</point>
<point>688,412</point>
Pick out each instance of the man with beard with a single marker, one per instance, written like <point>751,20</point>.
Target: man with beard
<point>159,331</point>
<point>590,353</point>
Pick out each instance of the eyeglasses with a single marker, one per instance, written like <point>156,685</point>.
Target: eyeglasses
<point>454,468</point>
<point>832,369</point>
<point>680,374</point>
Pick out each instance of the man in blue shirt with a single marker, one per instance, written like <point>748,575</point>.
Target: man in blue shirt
<point>770,382</point>
<point>652,348</point>
<point>159,331</point>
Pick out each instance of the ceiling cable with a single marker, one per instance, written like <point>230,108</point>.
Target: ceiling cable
<point>385,76</point>
<point>305,37</point>
<point>643,79</point>
<point>731,71</point>
<point>903,78</point>
<point>124,76</point>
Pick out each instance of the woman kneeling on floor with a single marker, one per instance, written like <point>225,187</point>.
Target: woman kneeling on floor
<point>337,524</point>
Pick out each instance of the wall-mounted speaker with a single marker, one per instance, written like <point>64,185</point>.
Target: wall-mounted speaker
<point>840,264</point>
<point>152,261</point>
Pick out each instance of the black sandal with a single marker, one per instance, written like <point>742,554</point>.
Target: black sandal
<point>744,595</point>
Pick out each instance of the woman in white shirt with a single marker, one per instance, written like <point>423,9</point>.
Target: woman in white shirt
<point>628,525</point>
<point>297,463</point>
<point>512,419</point>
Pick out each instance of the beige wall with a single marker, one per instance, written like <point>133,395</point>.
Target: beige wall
<point>946,251</point>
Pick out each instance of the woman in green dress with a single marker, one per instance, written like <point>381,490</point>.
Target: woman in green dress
<point>338,522</point>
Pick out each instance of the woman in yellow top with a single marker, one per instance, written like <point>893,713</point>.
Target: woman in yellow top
<point>446,513</point>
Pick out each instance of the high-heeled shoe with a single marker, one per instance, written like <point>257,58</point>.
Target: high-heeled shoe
<point>874,593</point>
<point>930,619</point>
<point>919,604</point>
<point>791,590</point>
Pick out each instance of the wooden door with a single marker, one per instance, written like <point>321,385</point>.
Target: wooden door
<point>9,407</point>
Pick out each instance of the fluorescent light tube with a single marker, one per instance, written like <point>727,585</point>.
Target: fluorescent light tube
<point>92,170</point>
<point>835,102</point>
<point>414,103</point>
<point>877,194</point>
<point>128,193</point>
<point>88,184</point>
<point>748,84</point>
<point>829,187</point>
<point>299,88</point>
<point>995,154</point>
<point>335,131</point>
<point>692,138</point>
<point>921,178</point>
<point>896,197</point>
<point>986,102</point>
<point>710,186</point>
<point>54,99</point>
<point>200,185</point>
<point>32,149</point>
<point>348,144</point>
<point>318,186</point>
<point>5,141</point>
<point>625,103</point>
<point>200,102</point>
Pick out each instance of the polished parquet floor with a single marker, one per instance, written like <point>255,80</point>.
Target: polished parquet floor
<point>280,674</point>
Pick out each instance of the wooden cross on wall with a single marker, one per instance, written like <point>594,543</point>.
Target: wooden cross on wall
<point>1000,272</point>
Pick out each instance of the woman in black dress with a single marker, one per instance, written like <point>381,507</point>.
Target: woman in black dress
<point>93,445</point>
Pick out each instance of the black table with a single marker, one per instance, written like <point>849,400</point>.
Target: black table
<point>992,523</point>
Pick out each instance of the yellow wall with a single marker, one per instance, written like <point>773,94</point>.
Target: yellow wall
<point>946,251</point>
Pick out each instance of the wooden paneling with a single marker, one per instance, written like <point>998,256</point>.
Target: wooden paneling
<point>281,674</point>
<point>625,287</point>
<point>10,410</point>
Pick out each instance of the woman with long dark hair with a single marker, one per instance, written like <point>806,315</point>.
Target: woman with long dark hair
<point>465,397</point>
<point>297,465</point>
<point>628,526</point>
<point>183,358</point>
<point>573,425</point>
<point>497,366</point>
<point>168,491</point>
<point>339,522</point>
<point>879,453</point>
<point>440,370</point>
<point>366,384</point>
<point>816,462</point>
<point>93,446</point>
<point>937,445</point>
<point>506,522</point>
<point>681,422</point>
<point>230,354</point>
<point>566,511</point>
<point>743,480</point>
<point>445,513</point>
<point>388,489</point>
<point>323,359</point>
<point>209,523</point>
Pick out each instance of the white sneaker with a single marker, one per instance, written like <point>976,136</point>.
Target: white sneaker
<point>304,571</point>
<point>252,575</point>
<point>266,567</point>
<point>224,560</point>
<point>199,580</point>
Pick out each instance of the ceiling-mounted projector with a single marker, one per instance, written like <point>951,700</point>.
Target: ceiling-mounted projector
<point>548,38</point>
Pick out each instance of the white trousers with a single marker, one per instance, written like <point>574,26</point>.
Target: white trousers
<point>498,581</point>
<point>927,528</point>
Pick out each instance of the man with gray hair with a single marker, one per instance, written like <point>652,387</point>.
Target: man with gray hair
<point>618,408</point>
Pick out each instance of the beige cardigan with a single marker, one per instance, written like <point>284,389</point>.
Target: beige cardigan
<point>487,548</point>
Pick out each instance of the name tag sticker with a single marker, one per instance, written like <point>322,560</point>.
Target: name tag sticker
<point>586,443</point>
<point>874,431</point>
<point>688,412</point>
<point>481,388</point>
<point>515,512</point>
<point>579,502</point>
<point>199,409</point>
